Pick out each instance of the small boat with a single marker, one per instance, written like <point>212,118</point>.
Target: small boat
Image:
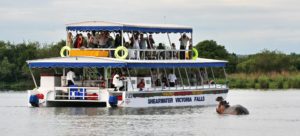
<point>154,78</point>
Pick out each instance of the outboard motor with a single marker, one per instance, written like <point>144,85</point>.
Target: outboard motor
<point>34,100</point>
<point>113,101</point>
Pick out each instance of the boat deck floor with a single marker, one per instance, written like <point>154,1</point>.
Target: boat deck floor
<point>75,103</point>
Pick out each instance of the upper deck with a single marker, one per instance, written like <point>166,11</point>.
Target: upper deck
<point>130,41</point>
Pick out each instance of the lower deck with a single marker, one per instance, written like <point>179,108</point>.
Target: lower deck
<point>75,103</point>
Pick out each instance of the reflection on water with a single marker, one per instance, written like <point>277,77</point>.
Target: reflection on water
<point>126,111</point>
<point>272,113</point>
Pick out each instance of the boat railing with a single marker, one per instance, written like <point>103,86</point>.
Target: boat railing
<point>182,88</point>
<point>148,54</point>
<point>77,93</point>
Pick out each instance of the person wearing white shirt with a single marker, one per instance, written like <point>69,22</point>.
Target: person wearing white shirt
<point>117,82</point>
<point>172,79</point>
<point>136,46</point>
<point>70,77</point>
<point>183,43</point>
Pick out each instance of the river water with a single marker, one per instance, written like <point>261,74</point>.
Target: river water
<point>272,113</point>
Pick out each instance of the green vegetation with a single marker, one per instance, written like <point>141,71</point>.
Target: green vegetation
<point>284,80</point>
<point>264,70</point>
<point>14,72</point>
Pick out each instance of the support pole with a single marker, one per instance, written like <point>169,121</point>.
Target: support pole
<point>213,76</point>
<point>34,81</point>
<point>167,78</point>
<point>130,79</point>
<point>181,78</point>
<point>122,38</point>
<point>152,80</point>
<point>105,77</point>
<point>199,72</point>
<point>226,79</point>
<point>159,78</point>
<point>187,76</point>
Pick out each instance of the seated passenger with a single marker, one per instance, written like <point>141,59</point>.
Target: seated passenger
<point>70,77</point>
<point>172,79</point>
<point>117,82</point>
<point>141,85</point>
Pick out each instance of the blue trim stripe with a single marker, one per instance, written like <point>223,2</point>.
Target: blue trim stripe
<point>73,65</point>
<point>171,65</point>
<point>129,65</point>
<point>129,29</point>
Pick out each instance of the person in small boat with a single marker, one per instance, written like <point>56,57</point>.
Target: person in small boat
<point>141,85</point>
<point>70,77</point>
<point>225,108</point>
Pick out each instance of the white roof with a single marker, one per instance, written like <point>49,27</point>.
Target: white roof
<point>144,25</point>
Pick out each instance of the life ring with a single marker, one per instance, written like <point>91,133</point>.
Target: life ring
<point>195,54</point>
<point>121,48</point>
<point>63,49</point>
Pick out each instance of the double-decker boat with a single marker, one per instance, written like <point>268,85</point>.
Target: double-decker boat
<point>154,78</point>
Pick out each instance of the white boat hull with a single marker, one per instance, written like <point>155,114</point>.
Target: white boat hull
<point>171,98</point>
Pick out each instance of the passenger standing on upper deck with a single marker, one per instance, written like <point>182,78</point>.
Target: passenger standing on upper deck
<point>102,40</point>
<point>143,45</point>
<point>93,40</point>
<point>118,40</point>
<point>183,43</point>
<point>89,40</point>
<point>70,77</point>
<point>136,46</point>
<point>109,40</point>
<point>161,51</point>
<point>150,42</point>
<point>173,53</point>
<point>69,39</point>
<point>79,41</point>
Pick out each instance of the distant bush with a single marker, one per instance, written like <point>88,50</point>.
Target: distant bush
<point>273,80</point>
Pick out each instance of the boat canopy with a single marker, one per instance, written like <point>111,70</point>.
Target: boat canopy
<point>81,62</point>
<point>128,27</point>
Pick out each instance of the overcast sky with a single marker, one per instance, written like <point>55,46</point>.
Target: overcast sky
<point>242,26</point>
